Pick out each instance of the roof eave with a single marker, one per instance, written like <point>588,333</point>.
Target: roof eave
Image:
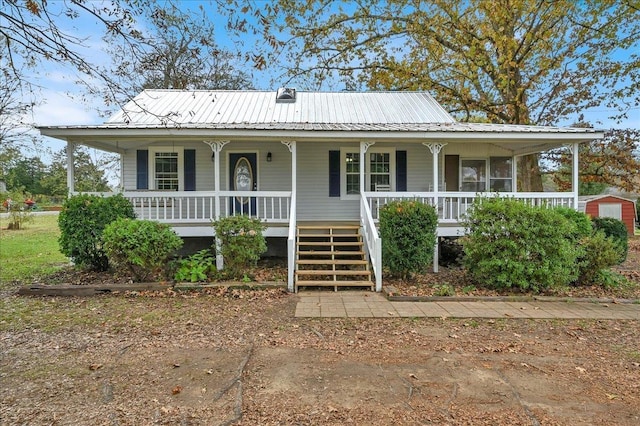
<point>109,133</point>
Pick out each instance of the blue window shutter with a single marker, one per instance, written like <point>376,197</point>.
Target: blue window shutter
<point>142,169</point>
<point>334,173</point>
<point>401,171</point>
<point>189,169</point>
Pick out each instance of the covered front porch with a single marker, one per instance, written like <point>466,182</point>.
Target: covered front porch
<point>191,212</point>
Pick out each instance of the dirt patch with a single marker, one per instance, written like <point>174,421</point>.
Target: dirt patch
<point>241,357</point>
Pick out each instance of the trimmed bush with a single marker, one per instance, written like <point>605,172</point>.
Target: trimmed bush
<point>82,221</point>
<point>617,230</point>
<point>408,232</point>
<point>142,247</point>
<point>584,226</point>
<point>599,253</point>
<point>241,242</point>
<point>511,245</point>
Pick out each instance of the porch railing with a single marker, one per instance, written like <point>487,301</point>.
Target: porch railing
<point>452,206</point>
<point>200,206</point>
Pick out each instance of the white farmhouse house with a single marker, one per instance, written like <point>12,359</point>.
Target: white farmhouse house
<point>314,166</point>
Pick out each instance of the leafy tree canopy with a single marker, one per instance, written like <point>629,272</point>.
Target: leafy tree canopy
<point>504,61</point>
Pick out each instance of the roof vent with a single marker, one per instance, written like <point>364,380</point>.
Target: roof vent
<point>286,95</point>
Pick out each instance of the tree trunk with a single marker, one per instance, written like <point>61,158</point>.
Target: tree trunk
<point>529,175</point>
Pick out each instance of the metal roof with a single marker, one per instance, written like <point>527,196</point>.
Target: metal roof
<point>259,109</point>
<point>347,127</point>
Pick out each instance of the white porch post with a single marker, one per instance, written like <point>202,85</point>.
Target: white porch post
<point>291,242</point>
<point>514,173</point>
<point>364,146</point>
<point>71,180</point>
<point>575,181</point>
<point>216,148</point>
<point>294,164</point>
<point>435,149</point>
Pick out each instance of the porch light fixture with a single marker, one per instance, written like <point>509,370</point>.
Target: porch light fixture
<point>213,156</point>
<point>269,157</point>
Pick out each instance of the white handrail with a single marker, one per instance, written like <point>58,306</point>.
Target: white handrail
<point>373,241</point>
<point>291,245</point>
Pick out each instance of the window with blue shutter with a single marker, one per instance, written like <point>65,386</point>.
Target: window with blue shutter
<point>189,169</point>
<point>401,171</point>
<point>334,173</point>
<point>142,169</point>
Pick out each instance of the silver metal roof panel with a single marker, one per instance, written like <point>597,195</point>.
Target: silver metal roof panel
<point>189,107</point>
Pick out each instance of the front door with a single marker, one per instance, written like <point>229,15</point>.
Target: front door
<point>243,176</point>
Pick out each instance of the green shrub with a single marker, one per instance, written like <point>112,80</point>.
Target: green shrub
<point>444,290</point>
<point>196,267</point>
<point>241,242</point>
<point>510,245</point>
<point>82,220</point>
<point>599,253</point>
<point>408,232</point>
<point>582,221</point>
<point>617,230</point>
<point>141,247</point>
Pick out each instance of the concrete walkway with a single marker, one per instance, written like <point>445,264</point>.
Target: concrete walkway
<point>360,304</point>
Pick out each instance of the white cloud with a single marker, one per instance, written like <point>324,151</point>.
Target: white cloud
<point>58,109</point>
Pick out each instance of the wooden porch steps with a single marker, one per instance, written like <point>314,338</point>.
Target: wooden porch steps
<point>331,256</point>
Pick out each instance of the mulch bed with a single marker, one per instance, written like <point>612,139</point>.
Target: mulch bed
<point>274,270</point>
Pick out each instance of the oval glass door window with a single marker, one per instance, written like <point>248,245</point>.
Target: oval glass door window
<point>243,178</point>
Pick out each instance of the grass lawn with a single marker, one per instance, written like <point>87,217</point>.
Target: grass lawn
<point>29,252</point>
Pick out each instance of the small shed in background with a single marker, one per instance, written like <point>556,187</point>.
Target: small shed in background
<point>610,206</point>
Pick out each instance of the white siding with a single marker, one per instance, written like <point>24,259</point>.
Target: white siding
<point>274,175</point>
<point>314,202</point>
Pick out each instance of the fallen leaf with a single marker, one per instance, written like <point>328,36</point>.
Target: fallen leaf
<point>176,390</point>
<point>94,367</point>
<point>580,369</point>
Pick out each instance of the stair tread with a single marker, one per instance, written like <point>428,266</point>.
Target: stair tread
<point>334,243</point>
<point>331,272</point>
<point>332,262</point>
<point>328,227</point>
<point>333,283</point>
<point>328,235</point>
<point>331,252</point>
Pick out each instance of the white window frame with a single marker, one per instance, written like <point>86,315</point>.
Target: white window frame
<point>367,176</point>
<point>487,168</point>
<point>152,164</point>
<point>486,171</point>
<point>612,210</point>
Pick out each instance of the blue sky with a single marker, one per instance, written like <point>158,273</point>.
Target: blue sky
<point>59,94</point>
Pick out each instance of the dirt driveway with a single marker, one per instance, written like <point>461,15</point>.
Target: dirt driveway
<point>237,357</point>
